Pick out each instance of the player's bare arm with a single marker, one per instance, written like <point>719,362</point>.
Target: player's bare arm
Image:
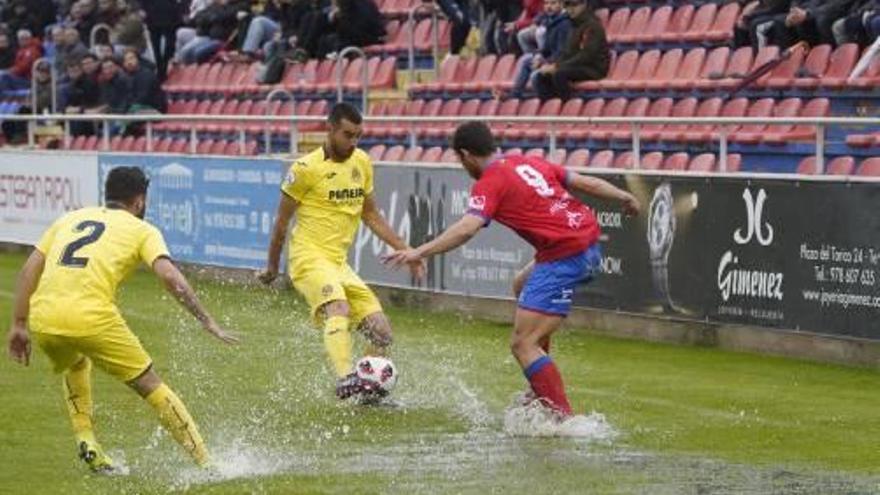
<point>18,341</point>
<point>601,188</point>
<point>373,219</point>
<point>176,284</point>
<point>456,235</point>
<point>286,210</point>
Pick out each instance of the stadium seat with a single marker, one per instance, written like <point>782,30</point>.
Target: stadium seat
<point>526,108</point>
<point>782,76</point>
<point>840,64</point>
<point>678,24</point>
<point>676,162</point>
<point>727,70</point>
<point>432,154</point>
<point>617,23</point>
<point>571,108</point>
<point>413,154</point>
<point>870,167</point>
<point>722,28</point>
<point>603,14</point>
<point>635,108</point>
<point>602,159</point>
<point>704,162</point>
<point>538,131</point>
<point>162,145</point>
<point>376,152</point>
<point>218,148</point>
<point>814,67</point>
<point>178,146</point>
<point>204,147</point>
<point>863,140</point>
<point>789,107</point>
<point>501,78</point>
<point>127,144</point>
<point>635,25</point>
<point>870,78</point>
<point>701,23</point>
<point>481,73</point>
<point>752,133</point>
<point>116,143</point>
<point>614,108</point>
<point>450,108</point>
<point>844,165</point>
<point>78,143</point>
<point>668,69</point>
<point>536,153</point>
<point>621,69</point>
<point>623,160</point>
<point>709,132</point>
<point>140,145</point>
<point>394,153</point>
<point>651,161</point>
<point>642,70</point>
<point>657,25</point>
<point>686,107</point>
<point>578,158</point>
<point>817,107</point>
<point>449,156</point>
<point>659,108</point>
<point>557,156</point>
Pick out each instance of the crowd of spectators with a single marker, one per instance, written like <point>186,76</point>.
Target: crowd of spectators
<point>787,22</point>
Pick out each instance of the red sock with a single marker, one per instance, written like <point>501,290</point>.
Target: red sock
<point>547,383</point>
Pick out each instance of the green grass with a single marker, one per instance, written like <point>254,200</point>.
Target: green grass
<point>692,420</point>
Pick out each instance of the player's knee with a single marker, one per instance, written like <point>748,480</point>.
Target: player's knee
<point>518,344</point>
<point>336,308</point>
<point>146,383</point>
<point>377,330</point>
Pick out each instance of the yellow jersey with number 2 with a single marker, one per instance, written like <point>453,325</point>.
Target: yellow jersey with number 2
<point>88,253</point>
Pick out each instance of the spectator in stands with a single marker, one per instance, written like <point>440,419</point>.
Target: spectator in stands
<point>262,30</point>
<point>130,32</point>
<point>146,93</point>
<point>19,75</point>
<point>114,86</point>
<point>108,12</point>
<point>458,13</point>
<point>552,29</point>
<point>7,52</point>
<point>585,55</point>
<point>806,20</point>
<point>90,66</point>
<point>214,26</point>
<point>753,15</point>
<point>525,22</point>
<point>43,80</point>
<point>497,14</point>
<point>82,17</point>
<point>31,15</point>
<point>163,17</point>
<point>855,26</point>
<point>71,48</point>
<point>82,93</point>
<point>346,23</point>
<point>53,41</point>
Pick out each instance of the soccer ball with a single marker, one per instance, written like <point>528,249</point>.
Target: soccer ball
<point>379,371</point>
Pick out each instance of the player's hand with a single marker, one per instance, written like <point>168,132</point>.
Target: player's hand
<point>417,269</point>
<point>267,276</point>
<point>214,329</point>
<point>547,69</point>
<point>401,256</point>
<point>631,206</point>
<point>19,344</point>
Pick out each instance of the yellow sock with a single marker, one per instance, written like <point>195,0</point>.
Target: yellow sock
<point>337,341</point>
<point>176,419</point>
<point>77,382</point>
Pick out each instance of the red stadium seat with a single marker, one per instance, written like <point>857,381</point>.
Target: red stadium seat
<point>376,152</point>
<point>621,69</point>
<point>635,108</point>
<point>701,24</point>
<point>703,163</point>
<point>140,144</point>
<point>844,165</point>
<point>789,107</point>
<point>676,162</point>
<point>432,155</point>
<point>718,70</point>
<point>659,108</point>
<point>722,27</point>
<point>481,73</point>
<point>578,158</point>
<point>752,133</point>
<point>413,154</point>
<point>218,148</point>
<point>617,23</point>
<point>536,153</point>
<point>708,132</point>
<point>642,71</point>
<point>678,24</point>
<point>162,145</point>
<point>527,108</point>
<point>592,108</point>
<point>635,25</point>
<point>870,167</point>
<point>841,63</point>
<point>815,65</point>
<point>668,69</point>
<point>557,156</point>
<point>394,153</point>
<point>870,78</point>
<point>623,160</point>
<point>502,73</point>
<point>782,76</point>
<point>204,146</point>
<point>537,131</point>
<point>651,161</point>
<point>817,107</point>
<point>449,156</point>
<point>685,107</point>
<point>602,159</point>
<point>614,108</point>
<point>657,25</point>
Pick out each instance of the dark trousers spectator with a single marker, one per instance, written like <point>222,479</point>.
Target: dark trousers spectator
<point>748,36</point>
<point>164,41</point>
<point>457,13</point>
<point>557,84</point>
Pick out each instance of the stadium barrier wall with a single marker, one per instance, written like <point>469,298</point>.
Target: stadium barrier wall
<point>784,265</point>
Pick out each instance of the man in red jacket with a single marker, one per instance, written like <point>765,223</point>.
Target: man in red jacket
<point>19,75</point>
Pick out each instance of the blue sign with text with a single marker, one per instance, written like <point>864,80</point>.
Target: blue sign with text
<point>215,211</point>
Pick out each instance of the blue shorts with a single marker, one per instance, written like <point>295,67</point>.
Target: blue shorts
<point>551,285</point>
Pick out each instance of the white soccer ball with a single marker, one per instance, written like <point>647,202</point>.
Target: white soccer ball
<point>378,370</point>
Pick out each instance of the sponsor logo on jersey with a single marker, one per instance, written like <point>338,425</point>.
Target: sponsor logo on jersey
<point>346,194</point>
<point>477,203</point>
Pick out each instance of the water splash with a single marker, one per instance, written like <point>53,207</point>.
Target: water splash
<point>533,419</point>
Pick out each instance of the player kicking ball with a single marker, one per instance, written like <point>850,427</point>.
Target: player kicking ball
<point>65,295</point>
<point>330,191</point>
<point>530,196</point>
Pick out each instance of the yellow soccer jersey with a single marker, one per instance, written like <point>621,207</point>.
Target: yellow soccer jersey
<point>88,253</point>
<point>331,198</point>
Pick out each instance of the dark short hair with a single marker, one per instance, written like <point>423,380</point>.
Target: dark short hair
<point>474,137</point>
<point>125,183</point>
<point>89,55</point>
<point>345,111</point>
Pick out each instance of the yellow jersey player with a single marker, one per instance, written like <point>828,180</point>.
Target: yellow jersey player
<point>65,297</point>
<point>330,191</point>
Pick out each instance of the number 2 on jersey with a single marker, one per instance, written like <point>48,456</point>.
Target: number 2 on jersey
<point>96,230</point>
<point>535,180</point>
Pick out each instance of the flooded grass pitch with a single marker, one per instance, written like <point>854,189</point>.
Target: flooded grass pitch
<point>659,419</point>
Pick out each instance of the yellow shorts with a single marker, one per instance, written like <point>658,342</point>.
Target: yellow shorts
<point>116,350</point>
<point>321,281</point>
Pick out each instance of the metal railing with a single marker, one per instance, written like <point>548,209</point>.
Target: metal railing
<point>267,132</point>
<point>435,37</point>
<point>365,74</point>
<point>552,124</point>
<point>93,34</point>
